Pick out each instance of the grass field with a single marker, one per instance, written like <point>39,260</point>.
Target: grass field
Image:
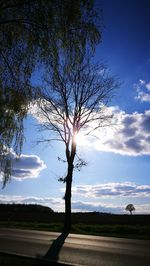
<point>42,218</point>
<point>117,230</point>
<point>37,217</point>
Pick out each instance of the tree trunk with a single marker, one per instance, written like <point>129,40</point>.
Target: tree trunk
<point>67,222</point>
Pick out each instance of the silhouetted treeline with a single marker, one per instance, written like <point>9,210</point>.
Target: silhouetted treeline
<point>38,213</point>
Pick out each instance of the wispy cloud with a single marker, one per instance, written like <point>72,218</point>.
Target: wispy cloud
<point>26,166</point>
<point>109,208</point>
<point>124,189</point>
<point>143,208</point>
<point>143,91</point>
<point>143,96</point>
<point>93,206</point>
<point>57,204</point>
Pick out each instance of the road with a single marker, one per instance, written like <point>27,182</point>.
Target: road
<point>76,249</point>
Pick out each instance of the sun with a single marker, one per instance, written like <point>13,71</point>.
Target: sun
<point>80,139</point>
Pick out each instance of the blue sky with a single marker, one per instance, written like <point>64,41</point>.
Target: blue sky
<point>119,162</point>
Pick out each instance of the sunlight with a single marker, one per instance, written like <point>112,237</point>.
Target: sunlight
<point>80,139</point>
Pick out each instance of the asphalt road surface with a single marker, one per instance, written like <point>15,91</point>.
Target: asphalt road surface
<point>75,249</point>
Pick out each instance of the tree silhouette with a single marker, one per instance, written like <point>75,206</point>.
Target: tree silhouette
<point>73,101</point>
<point>31,33</point>
<point>130,208</point>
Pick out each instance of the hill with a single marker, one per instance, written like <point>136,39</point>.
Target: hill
<point>38,213</point>
<point>23,212</point>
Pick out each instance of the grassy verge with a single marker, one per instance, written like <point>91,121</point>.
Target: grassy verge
<point>125,231</point>
<point>52,227</point>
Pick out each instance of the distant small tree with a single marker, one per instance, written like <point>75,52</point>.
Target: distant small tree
<point>130,208</point>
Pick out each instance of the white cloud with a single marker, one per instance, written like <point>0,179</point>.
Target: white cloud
<point>143,91</point>
<point>142,208</point>
<point>85,206</point>
<point>56,204</point>
<point>143,97</point>
<point>148,86</point>
<point>111,190</point>
<point>109,208</point>
<point>130,134</point>
<point>37,113</point>
<point>26,166</point>
<point>142,81</point>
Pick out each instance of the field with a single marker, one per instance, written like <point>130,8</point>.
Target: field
<point>102,224</point>
<point>117,230</point>
<point>37,217</point>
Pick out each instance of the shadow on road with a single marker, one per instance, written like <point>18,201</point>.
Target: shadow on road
<point>54,250</point>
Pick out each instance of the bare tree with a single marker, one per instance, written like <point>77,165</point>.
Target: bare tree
<point>130,208</point>
<point>74,100</point>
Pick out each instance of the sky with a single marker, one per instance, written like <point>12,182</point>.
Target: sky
<point>118,169</point>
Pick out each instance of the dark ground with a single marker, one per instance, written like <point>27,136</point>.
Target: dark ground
<point>37,213</point>
<point>103,224</point>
